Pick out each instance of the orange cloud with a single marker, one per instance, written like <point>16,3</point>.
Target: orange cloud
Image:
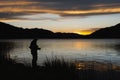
<point>107,10</point>
<point>19,8</point>
<point>21,3</point>
<point>65,12</point>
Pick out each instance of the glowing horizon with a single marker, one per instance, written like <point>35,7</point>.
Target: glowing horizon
<point>83,32</point>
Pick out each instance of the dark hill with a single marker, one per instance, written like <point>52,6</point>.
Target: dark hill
<point>11,32</point>
<point>68,35</point>
<point>109,32</point>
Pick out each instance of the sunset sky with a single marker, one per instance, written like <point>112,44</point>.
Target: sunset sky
<point>78,16</point>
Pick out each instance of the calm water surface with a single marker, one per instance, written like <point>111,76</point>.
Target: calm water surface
<point>102,50</point>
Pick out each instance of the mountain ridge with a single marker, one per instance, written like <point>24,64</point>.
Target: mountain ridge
<point>8,31</point>
<point>108,32</point>
<point>11,32</point>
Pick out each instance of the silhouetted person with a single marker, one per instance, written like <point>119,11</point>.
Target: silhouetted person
<point>34,47</point>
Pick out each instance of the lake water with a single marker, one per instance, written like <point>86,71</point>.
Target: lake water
<point>102,50</point>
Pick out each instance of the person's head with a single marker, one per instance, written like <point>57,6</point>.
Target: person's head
<point>35,39</point>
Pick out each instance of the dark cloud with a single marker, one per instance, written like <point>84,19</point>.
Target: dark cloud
<point>12,16</point>
<point>24,7</point>
<point>76,4</point>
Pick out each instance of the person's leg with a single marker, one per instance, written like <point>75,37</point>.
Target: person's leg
<point>34,60</point>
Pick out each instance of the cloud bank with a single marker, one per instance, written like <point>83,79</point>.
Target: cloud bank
<point>13,9</point>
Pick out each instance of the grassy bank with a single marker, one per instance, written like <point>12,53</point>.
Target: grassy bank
<point>57,69</point>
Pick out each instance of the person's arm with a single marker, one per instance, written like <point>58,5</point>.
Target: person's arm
<point>38,48</point>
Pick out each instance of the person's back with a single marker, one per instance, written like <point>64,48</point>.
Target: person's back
<point>34,48</point>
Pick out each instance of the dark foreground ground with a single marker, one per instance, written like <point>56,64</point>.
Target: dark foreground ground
<point>57,70</point>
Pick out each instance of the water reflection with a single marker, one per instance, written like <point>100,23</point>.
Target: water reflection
<point>79,49</point>
<point>5,48</point>
<point>82,44</point>
<point>114,47</point>
<point>117,48</point>
<point>83,65</point>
